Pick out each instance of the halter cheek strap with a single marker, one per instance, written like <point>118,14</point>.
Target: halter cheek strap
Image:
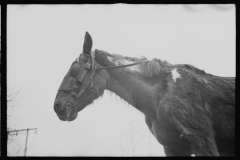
<point>93,69</point>
<point>77,94</point>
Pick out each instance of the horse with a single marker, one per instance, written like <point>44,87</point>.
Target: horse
<point>187,110</point>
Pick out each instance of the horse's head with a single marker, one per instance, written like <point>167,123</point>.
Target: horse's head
<point>82,84</point>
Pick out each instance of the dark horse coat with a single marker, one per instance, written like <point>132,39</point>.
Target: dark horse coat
<point>197,111</point>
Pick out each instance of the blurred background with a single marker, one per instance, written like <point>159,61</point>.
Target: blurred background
<point>43,41</point>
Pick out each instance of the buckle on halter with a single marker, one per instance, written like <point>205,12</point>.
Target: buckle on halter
<point>88,64</point>
<point>69,103</point>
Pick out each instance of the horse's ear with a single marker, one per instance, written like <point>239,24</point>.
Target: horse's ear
<point>87,46</point>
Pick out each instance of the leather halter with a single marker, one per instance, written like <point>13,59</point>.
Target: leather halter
<point>77,89</point>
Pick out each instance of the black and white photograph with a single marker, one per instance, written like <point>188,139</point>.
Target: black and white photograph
<point>120,80</point>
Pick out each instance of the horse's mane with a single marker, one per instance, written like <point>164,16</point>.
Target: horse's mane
<point>153,67</point>
<point>156,66</point>
<point>148,69</point>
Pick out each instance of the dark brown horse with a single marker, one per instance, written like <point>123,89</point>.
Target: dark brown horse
<point>187,110</point>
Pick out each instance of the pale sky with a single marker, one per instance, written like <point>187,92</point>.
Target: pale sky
<point>43,41</point>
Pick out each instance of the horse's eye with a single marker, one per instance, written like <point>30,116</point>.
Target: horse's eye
<point>75,69</point>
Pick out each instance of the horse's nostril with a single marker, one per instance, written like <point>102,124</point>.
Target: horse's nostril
<point>57,107</point>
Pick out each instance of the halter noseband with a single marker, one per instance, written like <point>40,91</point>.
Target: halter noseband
<point>76,91</point>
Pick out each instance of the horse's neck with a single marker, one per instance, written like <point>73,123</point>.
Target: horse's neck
<point>136,92</point>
